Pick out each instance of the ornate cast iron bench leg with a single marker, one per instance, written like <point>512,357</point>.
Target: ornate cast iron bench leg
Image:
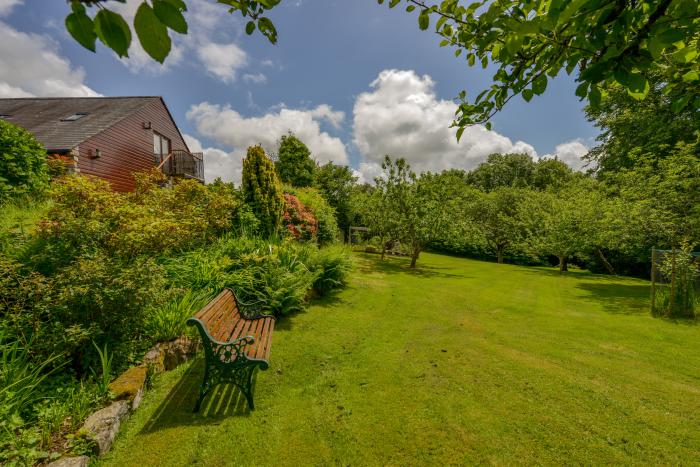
<point>239,373</point>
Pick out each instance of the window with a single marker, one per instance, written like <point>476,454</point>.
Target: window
<point>74,117</point>
<point>161,145</point>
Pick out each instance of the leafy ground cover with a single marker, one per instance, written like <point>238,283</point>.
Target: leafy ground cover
<point>456,362</point>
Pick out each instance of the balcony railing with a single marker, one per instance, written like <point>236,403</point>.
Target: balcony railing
<point>182,164</point>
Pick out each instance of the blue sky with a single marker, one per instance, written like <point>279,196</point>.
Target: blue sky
<point>354,79</point>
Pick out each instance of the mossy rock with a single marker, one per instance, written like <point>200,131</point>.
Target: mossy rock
<point>130,383</point>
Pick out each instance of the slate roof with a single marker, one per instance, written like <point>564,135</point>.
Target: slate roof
<point>42,116</point>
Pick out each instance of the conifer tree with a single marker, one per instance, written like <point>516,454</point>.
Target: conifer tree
<point>262,190</point>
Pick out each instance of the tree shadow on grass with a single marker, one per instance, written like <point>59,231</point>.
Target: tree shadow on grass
<point>577,274</point>
<point>399,265</point>
<point>176,408</point>
<point>618,298</point>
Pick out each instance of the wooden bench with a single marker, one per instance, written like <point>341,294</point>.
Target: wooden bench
<point>236,340</point>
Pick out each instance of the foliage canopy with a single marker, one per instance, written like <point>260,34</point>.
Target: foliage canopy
<point>23,166</point>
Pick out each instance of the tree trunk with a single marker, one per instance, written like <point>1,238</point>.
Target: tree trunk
<point>383,251</point>
<point>414,257</point>
<point>608,266</point>
<point>563,263</point>
<point>499,253</point>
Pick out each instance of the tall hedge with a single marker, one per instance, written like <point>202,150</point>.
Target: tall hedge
<point>23,167</point>
<point>262,190</point>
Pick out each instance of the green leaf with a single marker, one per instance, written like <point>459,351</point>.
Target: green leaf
<point>539,84</point>
<point>527,94</point>
<point>670,36</point>
<point>250,27</point>
<point>82,28</point>
<point>460,130</point>
<point>423,20</point>
<point>685,55</point>
<point>637,86</point>
<point>691,76</point>
<point>153,34</point>
<point>179,4</point>
<point>595,72</point>
<point>170,16</point>
<point>113,31</point>
<point>267,28</point>
<point>679,104</point>
<point>594,97</point>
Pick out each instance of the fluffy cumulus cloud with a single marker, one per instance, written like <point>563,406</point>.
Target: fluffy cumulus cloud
<point>402,116</point>
<point>571,153</point>
<point>31,65</point>
<point>222,60</point>
<point>208,43</point>
<point>6,6</point>
<point>236,133</point>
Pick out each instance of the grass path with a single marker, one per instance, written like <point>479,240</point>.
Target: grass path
<point>458,362</point>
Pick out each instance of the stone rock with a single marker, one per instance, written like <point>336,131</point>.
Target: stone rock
<point>178,351</point>
<point>130,385</point>
<point>80,461</point>
<point>154,359</point>
<point>104,424</point>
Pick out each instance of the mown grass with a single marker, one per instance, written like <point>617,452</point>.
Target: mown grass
<point>459,362</point>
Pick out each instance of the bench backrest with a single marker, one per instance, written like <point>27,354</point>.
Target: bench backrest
<point>220,316</point>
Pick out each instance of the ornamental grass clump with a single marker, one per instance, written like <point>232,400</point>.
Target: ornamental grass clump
<point>169,321</point>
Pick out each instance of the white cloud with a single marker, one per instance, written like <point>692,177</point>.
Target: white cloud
<point>326,112</point>
<point>222,60</point>
<point>257,78</point>
<point>230,129</point>
<point>570,153</point>
<point>402,116</point>
<point>30,65</point>
<point>6,6</point>
<point>217,163</point>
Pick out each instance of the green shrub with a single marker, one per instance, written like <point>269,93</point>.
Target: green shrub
<point>18,220</point>
<point>87,217</point>
<point>168,321</point>
<point>200,270</point>
<point>23,168</point>
<point>332,265</point>
<point>272,274</point>
<point>95,297</point>
<point>278,274</point>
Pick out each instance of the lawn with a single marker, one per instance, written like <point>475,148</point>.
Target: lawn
<point>458,362</point>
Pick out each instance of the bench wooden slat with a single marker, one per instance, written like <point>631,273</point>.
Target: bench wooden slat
<point>263,337</point>
<point>268,344</point>
<point>256,332</point>
<point>202,314</point>
<point>217,317</point>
